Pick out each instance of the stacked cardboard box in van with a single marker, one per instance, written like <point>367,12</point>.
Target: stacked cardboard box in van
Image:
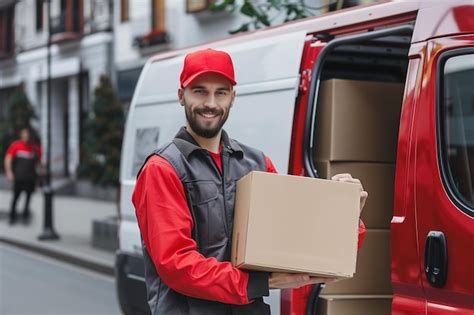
<point>356,132</point>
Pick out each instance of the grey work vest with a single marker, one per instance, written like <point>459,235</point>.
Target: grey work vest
<point>210,197</point>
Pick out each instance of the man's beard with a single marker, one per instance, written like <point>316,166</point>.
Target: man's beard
<point>199,128</point>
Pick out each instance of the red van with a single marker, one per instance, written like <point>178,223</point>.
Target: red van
<point>384,92</point>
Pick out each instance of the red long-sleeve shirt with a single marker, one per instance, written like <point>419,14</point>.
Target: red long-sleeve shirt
<point>166,223</point>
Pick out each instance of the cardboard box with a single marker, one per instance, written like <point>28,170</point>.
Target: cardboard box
<point>354,305</point>
<point>295,224</point>
<point>378,180</point>
<point>357,121</point>
<point>373,274</point>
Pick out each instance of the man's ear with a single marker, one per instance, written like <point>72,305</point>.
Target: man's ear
<point>233,98</point>
<point>181,96</point>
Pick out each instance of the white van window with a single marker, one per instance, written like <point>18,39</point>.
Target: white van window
<point>457,126</point>
<point>146,140</point>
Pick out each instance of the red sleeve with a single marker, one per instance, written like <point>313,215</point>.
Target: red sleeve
<point>271,169</point>
<point>166,224</point>
<point>362,231</point>
<point>12,149</point>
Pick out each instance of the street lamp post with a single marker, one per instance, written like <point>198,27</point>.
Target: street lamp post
<point>48,228</point>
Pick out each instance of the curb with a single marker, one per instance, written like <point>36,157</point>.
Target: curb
<point>67,258</point>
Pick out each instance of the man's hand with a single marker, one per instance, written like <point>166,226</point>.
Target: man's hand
<point>41,169</point>
<point>7,165</point>
<point>282,280</point>
<point>345,177</point>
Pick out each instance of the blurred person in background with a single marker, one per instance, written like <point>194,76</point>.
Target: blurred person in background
<point>22,163</point>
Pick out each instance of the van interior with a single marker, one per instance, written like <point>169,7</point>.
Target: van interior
<point>377,64</point>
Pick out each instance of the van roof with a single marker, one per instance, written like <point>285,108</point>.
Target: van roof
<point>434,19</point>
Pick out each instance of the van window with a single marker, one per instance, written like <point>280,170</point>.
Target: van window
<point>146,140</point>
<point>457,125</point>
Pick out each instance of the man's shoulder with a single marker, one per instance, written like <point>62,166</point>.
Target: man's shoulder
<point>18,143</point>
<point>158,164</point>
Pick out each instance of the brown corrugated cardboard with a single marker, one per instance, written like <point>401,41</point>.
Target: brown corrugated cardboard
<point>378,180</point>
<point>373,268</point>
<point>357,121</point>
<point>295,224</point>
<point>354,305</point>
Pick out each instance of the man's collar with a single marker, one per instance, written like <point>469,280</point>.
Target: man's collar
<point>187,145</point>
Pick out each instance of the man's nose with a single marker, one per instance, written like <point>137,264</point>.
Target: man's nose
<point>211,101</point>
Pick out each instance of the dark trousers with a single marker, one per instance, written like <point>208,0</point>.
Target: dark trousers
<point>18,187</point>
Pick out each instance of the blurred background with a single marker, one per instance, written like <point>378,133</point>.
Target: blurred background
<point>68,69</point>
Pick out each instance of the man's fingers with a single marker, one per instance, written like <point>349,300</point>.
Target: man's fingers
<point>348,179</point>
<point>342,175</point>
<point>291,280</point>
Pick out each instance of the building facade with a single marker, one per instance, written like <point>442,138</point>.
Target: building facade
<point>81,51</point>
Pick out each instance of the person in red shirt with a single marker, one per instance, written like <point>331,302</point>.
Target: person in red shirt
<point>22,161</point>
<point>184,199</point>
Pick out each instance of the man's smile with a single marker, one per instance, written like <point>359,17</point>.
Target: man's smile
<point>208,115</point>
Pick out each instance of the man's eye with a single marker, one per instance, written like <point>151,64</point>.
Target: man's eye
<point>222,93</point>
<point>199,91</point>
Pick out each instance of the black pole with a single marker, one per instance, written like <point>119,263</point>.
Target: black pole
<point>48,227</point>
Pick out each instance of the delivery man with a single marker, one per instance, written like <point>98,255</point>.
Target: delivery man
<point>184,201</point>
<point>22,162</point>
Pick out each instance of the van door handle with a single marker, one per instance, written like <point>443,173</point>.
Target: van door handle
<point>436,259</point>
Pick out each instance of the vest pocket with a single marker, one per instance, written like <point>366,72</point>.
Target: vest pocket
<point>208,213</point>
<point>202,192</point>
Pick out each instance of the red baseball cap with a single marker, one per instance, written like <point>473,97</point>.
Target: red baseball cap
<point>204,61</point>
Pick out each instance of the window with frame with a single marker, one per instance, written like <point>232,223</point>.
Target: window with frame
<point>68,17</point>
<point>158,15</point>
<point>7,31</point>
<point>456,122</point>
<point>39,14</point>
<point>124,10</point>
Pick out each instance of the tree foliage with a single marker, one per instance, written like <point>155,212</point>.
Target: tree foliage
<point>20,114</point>
<point>100,150</point>
<point>263,13</point>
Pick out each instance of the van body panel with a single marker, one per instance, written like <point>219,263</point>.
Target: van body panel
<point>408,305</point>
<point>443,18</point>
<point>406,275</point>
<point>435,208</point>
<point>129,235</point>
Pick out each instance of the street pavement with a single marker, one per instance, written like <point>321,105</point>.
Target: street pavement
<point>32,284</point>
<point>73,219</point>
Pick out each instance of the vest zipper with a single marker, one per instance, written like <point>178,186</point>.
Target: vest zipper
<point>221,175</point>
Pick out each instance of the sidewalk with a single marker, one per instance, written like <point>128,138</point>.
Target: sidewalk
<point>73,219</point>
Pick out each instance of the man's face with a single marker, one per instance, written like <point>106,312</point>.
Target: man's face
<point>207,101</point>
<point>25,135</point>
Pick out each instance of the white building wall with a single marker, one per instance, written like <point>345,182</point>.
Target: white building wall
<point>59,101</point>
<point>183,29</point>
<point>73,145</point>
<point>26,35</point>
